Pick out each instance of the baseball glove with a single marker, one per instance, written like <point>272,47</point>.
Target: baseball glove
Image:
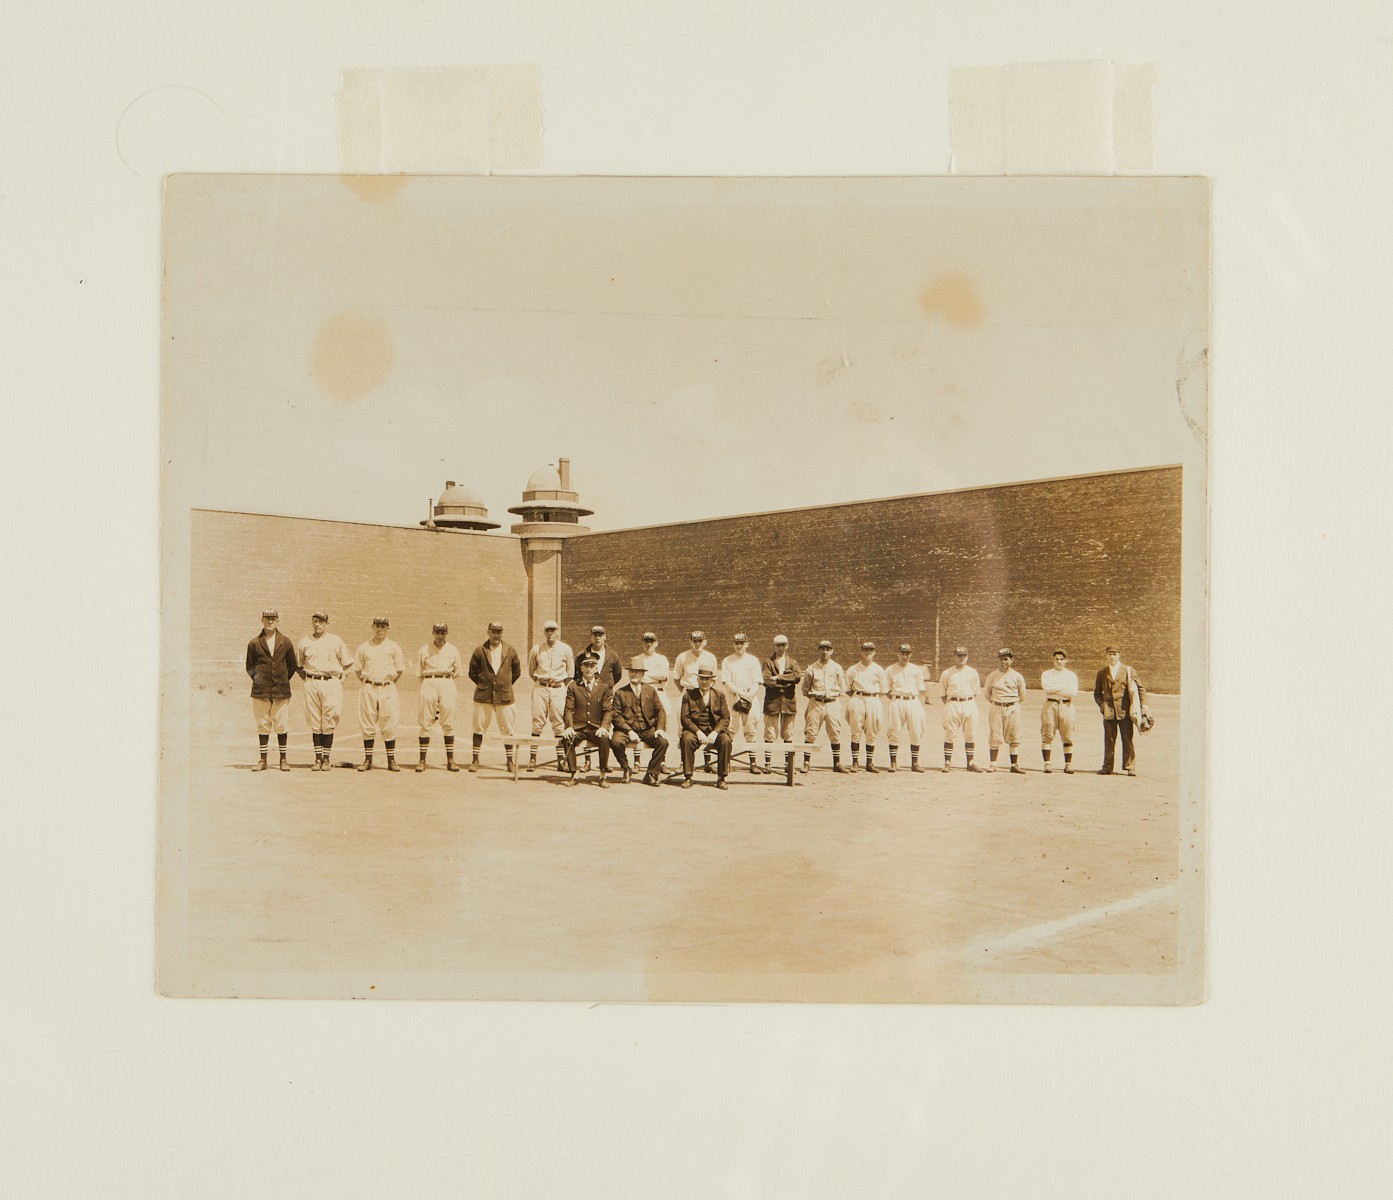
<point>1146,722</point>
<point>742,705</point>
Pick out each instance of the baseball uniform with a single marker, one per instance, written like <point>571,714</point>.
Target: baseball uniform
<point>1060,686</point>
<point>379,706</point>
<point>324,660</point>
<point>823,685</point>
<point>742,678</point>
<point>907,685</point>
<point>960,687</point>
<point>1006,691</point>
<point>550,669</point>
<point>439,697</point>
<point>866,684</point>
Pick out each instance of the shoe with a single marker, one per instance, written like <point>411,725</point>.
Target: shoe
<point>709,769</point>
<point>474,765</point>
<point>651,780</point>
<point>392,766</point>
<point>285,766</point>
<point>917,769</point>
<point>722,784</point>
<point>420,766</point>
<point>686,781</point>
<point>892,768</point>
<point>872,769</point>
<point>604,783</point>
<point>1017,770</point>
<point>452,765</point>
<point>260,766</point>
<point>990,768</point>
<point>1105,771</point>
<point>572,781</point>
<point>946,768</point>
<point>365,765</point>
<point>754,769</point>
<point>532,766</point>
<point>976,770</point>
<point>1132,771</point>
<point>628,775</point>
<point>853,767</point>
<point>1068,768</point>
<point>838,769</point>
<point>805,768</point>
<point>1049,770</point>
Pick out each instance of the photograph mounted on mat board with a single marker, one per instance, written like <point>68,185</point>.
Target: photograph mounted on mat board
<point>955,429</point>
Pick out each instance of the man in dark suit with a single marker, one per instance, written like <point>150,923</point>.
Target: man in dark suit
<point>1121,699</point>
<point>588,713</point>
<point>638,715</point>
<point>606,660</point>
<point>493,667</point>
<point>705,722</point>
<point>271,662</point>
<point>782,674</point>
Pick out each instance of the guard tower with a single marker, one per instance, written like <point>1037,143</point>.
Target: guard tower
<point>550,513</point>
<point>458,508</point>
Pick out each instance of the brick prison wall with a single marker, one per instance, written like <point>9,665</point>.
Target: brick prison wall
<point>414,577</point>
<point>1077,562</point>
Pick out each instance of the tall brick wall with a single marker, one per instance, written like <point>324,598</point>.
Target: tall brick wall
<point>1078,562</point>
<point>415,577</point>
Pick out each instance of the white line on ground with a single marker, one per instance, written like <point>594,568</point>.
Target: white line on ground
<point>1033,935</point>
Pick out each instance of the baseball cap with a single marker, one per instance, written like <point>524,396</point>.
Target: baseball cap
<point>380,621</point>
<point>494,625</point>
<point>650,637</point>
<point>824,644</point>
<point>780,640</point>
<point>740,637</point>
<point>1060,652</point>
<point>271,612</point>
<point>637,664</point>
<point>551,625</point>
<point>1112,650</point>
<point>698,636</point>
<point>960,650</point>
<point>597,629</point>
<point>906,648</point>
<point>1005,652</point>
<point>440,627</point>
<point>321,615</point>
<point>867,645</point>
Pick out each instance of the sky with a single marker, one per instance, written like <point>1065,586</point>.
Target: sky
<point>339,347</point>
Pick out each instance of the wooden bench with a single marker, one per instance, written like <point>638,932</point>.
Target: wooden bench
<point>749,755</point>
<point>510,743</point>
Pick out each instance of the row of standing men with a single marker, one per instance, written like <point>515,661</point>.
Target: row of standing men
<point>585,698</point>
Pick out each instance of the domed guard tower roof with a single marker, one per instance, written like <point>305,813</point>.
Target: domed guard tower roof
<point>459,508</point>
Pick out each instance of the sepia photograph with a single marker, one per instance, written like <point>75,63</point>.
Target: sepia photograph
<point>684,589</point>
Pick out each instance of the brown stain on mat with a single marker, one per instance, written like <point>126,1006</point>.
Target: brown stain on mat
<point>352,354</point>
<point>374,189</point>
<point>953,298</point>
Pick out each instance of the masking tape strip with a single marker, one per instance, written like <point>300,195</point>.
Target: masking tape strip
<point>1086,118</point>
<point>440,120</point>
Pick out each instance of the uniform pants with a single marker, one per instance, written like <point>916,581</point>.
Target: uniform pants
<point>272,716</point>
<point>1111,729</point>
<point>649,737</point>
<point>780,722</point>
<point>866,717</point>
<point>691,742</point>
<point>484,715</point>
<point>378,710</point>
<point>439,699</point>
<point>820,713</point>
<point>1005,726</point>
<point>323,704</point>
<point>960,720</point>
<point>744,723</point>
<point>591,735</point>
<point>906,714</point>
<point>1058,713</point>
<point>548,706</point>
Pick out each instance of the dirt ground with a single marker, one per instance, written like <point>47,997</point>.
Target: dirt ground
<point>889,887</point>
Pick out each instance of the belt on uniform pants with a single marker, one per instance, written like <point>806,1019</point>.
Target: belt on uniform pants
<point>961,699</point>
<point>437,676</point>
<point>1053,700</point>
<point>312,675</point>
<point>823,699</point>
<point>544,683</point>
<point>866,693</point>
<point>377,683</point>
<point>1007,704</point>
<point>901,696</point>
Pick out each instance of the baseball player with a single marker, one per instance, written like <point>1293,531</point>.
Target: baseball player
<point>637,715</point>
<point>742,679</point>
<point>379,663</point>
<point>493,669</point>
<point>1006,690</point>
<point>439,665</point>
<point>656,671</point>
<point>324,661</point>
<point>823,684</point>
<point>959,685</point>
<point>866,683</point>
<point>1060,686</point>
<point>907,687</point>
<point>549,665</point>
<point>781,674</point>
<point>270,666</point>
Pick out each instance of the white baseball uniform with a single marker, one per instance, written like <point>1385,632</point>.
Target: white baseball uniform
<point>1060,686</point>
<point>551,669</point>
<point>742,677</point>
<point>823,685</point>
<point>961,686</point>
<point>439,695</point>
<point>324,660</point>
<point>1006,690</point>
<point>907,685</point>
<point>378,704</point>
<point>866,683</point>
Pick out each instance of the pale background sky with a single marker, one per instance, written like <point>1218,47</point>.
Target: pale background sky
<point>696,348</point>
<point>1279,1086</point>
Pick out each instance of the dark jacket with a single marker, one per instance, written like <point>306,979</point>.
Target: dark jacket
<point>588,709</point>
<point>271,672</point>
<point>638,712</point>
<point>488,687</point>
<point>1122,698</point>
<point>781,691</point>
<point>610,670</point>
<point>697,718</point>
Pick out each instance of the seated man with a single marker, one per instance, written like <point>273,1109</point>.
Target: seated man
<point>588,704</point>
<point>637,714</point>
<point>705,722</point>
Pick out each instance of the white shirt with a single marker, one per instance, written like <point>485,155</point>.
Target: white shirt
<point>960,683</point>
<point>1006,687</point>
<point>824,679</point>
<point>657,669</point>
<point>552,664</point>
<point>1115,669</point>
<point>741,674</point>
<point>381,662</point>
<point>907,679</point>
<point>688,663</point>
<point>495,656</point>
<point>323,655</point>
<point>867,677</point>
<point>445,661</point>
<point>1059,682</point>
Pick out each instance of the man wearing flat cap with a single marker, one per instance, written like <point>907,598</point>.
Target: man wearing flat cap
<point>379,663</point>
<point>637,714</point>
<point>439,664</point>
<point>907,687</point>
<point>656,671</point>
<point>589,712</point>
<point>324,661</point>
<point>270,665</point>
<point>1006,690</point>
<point>823,684</point>
<point>742,680</point>
<point>1121,699</point>
<point>689,663</point>
<point>493,669</point>
<point>550,664</point>
<point>781,674</point>
<point>866,683</point>
<point>705,723</point>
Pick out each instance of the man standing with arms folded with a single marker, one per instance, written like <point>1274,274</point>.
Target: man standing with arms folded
<point>589,705</point>
<point>907,686</point>
<point>866,683</point>
<point>379,663</point>
<point>742,678</point>
<point>1122,700</point>
<point>960,685</point>
<point>1006,691</point>
<point>439,665</point>
<point>270,666</point>
<point>324,660</point>
<point>781,674</point>
<point>638,715</point>
<point>656,671</point>
<point>705,723</point>
<point>823,684</point>
<point>1060,686</point>
<point>493,669</point>
<point>549,665</point>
